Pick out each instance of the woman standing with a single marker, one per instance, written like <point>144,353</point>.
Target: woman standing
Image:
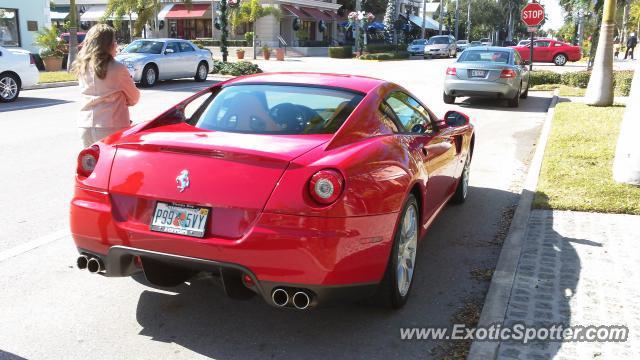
<point>106,87</point>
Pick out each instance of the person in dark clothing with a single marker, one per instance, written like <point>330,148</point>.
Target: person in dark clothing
<point>632,41</point>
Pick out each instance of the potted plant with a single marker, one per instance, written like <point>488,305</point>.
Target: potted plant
<point>240,54</point>
<point>50,48</point>
<point>280,54</point>
<point>266,52</point>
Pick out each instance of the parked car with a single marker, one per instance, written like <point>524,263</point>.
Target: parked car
<point>417,47</point>
<point>64,38</point>
<point>461,45</point>
<point>150,60</point>
<point>287,188</point>
<point>486,42</point>
<point>552,51</point>
<point>440,45</point>
<point>488,72</point>
<point>17,70</point>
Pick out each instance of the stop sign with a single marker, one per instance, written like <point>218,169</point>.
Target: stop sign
<point>532,14</point>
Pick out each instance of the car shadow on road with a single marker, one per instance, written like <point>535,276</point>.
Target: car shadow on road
<point>533,103</point>
<point>199,317</point>
<point>25,102</point>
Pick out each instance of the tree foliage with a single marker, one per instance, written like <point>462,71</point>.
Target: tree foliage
<point>123,9</point>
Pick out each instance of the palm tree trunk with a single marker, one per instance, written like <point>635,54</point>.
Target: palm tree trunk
<point>253,28</point>
<point>600,88</point>
<point>626,165</point>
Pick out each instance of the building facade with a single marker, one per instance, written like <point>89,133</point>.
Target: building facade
<point>20,21</point>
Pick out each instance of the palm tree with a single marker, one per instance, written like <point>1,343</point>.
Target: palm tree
<point>250,12</point>
<point>145,9</point>
<point>600,88</point>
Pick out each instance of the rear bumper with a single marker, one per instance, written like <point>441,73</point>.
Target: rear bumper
<point>475,88</point>
<point>277,248</point>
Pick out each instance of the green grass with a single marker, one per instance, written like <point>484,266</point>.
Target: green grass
<point>56,76</point>
<point>577,167</point>
<point>564,89</point>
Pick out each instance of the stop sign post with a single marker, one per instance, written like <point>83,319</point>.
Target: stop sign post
<point>532,15</point>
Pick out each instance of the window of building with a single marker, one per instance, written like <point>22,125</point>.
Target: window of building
<point>9,31</point>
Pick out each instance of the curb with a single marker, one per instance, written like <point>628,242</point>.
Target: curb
<point>51,85</point>
<point>497,299</point>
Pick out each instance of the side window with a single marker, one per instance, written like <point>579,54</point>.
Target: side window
<point>174,46</point>
<point>558,44</point>
<point>385,114</point>
<point>412,116</point>
<point>186,47</point>
<point>517,59</point>
<point>541,44</point>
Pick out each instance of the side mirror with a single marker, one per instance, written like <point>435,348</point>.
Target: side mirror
<point>526,62</point>
<point>168,51</point>
<point>456,119</point>
<point>417,129</point>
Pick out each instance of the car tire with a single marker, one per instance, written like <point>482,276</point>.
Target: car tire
<point>448,99</point>
<point>149,76</point>
<point>9,87</point>
<point>394,289</point>
<point>515,101</point>
<point>462,190</point>
<point>201,72</point>
<point>525,94</point>
<point>560,59</point>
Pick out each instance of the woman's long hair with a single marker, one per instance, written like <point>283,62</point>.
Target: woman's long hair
<point>95,51</point>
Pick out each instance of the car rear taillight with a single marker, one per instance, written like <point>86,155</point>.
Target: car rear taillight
<point>326,186</point>
<point>87,160</point>
<point>451,71</point>
<point>507,73</point>
<point>32,59</point>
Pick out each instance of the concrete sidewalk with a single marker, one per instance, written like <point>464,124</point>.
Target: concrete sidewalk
<point>576,268</point>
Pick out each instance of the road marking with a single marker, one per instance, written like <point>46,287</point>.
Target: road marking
<point>33,244</point>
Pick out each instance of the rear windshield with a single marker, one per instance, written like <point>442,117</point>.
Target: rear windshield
<point>494,56</point>
<point>419,42</point>
<point>278,109</point>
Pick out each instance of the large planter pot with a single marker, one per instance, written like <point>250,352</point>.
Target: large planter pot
<point>266,54</point>
<point>280,54</point>
<point>52,63</point>
<point>240,54</point>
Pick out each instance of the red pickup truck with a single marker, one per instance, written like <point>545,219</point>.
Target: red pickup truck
<point>547,50</point>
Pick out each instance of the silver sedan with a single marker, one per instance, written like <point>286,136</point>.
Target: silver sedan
<point>488,72</point>
<point>150,60</point>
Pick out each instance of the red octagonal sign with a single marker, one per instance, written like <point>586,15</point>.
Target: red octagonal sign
<point>532,14</point>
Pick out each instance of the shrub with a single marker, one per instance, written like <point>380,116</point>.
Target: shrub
<point>341,52</point>
<point>622,82</point>
<point>576,79</point>
<point>248,37</point>
<point>544,77</point>
<point>385,56</point>
<point>381,48</point>
<point>209,42</point>
<point>236,69</point>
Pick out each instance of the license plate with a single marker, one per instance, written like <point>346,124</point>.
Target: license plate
<point>478,73</point>
<point>180,219</point>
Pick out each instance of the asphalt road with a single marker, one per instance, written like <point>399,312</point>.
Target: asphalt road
<point>49,309</point>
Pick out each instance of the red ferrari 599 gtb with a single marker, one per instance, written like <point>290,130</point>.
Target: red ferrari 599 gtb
<point>302,188</point>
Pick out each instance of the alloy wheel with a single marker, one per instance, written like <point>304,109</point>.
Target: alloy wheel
<point>151,76</point>
<point>560,59</point>
<point>8,88</point>
<point>407,245</point>
<point>202,71</point>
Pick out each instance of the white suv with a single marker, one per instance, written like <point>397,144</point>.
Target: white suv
<point>17,70</point>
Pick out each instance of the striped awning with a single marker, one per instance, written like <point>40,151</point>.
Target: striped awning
<point>316,14</point>
<point>296,12</point>
<point>182,11</point>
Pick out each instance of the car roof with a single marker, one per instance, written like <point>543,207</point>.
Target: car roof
<point>361,84</point>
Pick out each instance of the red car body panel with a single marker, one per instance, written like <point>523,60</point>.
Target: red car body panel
<point>547,53</point>
<point>263,217</point>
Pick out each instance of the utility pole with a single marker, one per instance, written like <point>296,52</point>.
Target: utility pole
<point>156,22</point>
<point>73,34</point>
<point>223,30</point>
<point>424,18</point>
<point>469,21</point>
<point>213,19</point>
<point>456,20</point>
<point>356,33</point>
<point>441,11</point>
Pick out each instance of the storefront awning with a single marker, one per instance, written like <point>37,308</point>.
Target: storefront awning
<point>162,14</point>
<point>58,15</point>
<point>96,13</point>
<point>429,23</point>
<point>332,14</point>
<point>316,14</point>
<point>296,12</point>
<point>182,11</point>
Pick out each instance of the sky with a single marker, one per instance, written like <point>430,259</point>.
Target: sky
<point>555,18</point>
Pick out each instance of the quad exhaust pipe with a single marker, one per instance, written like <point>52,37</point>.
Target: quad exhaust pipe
<point>93,264</point>
<point>297,298</point>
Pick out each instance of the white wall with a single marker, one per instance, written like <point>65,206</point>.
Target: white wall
<point>29,10</point>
